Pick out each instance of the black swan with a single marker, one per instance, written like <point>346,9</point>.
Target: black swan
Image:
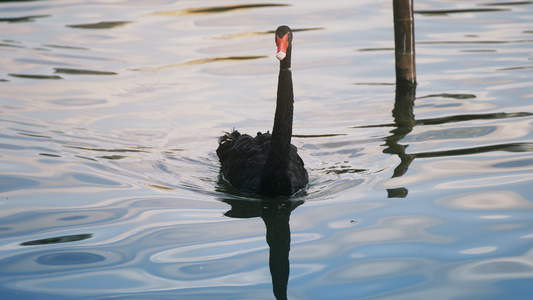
<point>268,164</point>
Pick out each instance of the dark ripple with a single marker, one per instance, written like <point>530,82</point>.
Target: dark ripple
<point>122,150</point>
<point>65,47</point>
<point>515,68</point>
<point>216,9</point>
<point>101,25</point>
<point>444,12</point>
<point>35,135</point>
<point>113,157</point>
<point>82,72</point>
<point>474,42</point>
<point>23,19</point>
<point>457,118</point>
<point>201,61</point>
<point>375,49</point>
<point>35,76</point>
<point>11,45</point>
<point>52,219</point>
<point>87,158</point>
<point>49,155</point>
<point>58,239</point>
<point>511,147</point>
<point>463,118</point>
<point>259,33</point>
<point>446,95</point>
<point>507,3</point>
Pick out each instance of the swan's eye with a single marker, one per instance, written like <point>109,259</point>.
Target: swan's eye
<point>282,44</point>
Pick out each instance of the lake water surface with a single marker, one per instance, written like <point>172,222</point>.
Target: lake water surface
<point>109,182</point>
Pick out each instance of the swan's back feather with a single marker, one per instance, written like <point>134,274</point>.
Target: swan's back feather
<point>243,159</point>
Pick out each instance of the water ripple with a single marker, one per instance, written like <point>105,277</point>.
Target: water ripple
<point>481,201</point>
<point>441,12</point>
<point>35,76</point>
<point>215,9</point>
<point>101,25</point>
<point>504,268</point>
<point>81,72</point>
<point>23,19</point>
<point>110,185</point>
<point>58,239</point>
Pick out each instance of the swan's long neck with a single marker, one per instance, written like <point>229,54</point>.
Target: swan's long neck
<point>282,131</point>
<point>275,179</point>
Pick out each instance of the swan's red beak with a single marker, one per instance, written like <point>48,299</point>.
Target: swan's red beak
<point>282,44</point>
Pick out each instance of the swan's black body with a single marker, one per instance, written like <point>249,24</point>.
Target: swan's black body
<point>268,164</point>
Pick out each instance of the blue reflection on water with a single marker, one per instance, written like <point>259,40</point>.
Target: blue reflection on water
<point>72,258</point>
<point>110,187</point>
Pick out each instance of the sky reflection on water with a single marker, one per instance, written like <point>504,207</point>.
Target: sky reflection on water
<point>110,186</point>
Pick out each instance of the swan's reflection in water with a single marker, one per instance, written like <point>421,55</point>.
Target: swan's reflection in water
<point>276,214</point>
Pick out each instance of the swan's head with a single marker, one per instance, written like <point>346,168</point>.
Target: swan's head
<point>283,41</point>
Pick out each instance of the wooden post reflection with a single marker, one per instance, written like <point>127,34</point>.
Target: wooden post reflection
<point>405,121</point>
<point>404,43</point>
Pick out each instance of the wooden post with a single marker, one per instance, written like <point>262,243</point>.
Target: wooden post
<point>404,42</point>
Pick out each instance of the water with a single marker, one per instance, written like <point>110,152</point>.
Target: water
<point>110,185</point>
